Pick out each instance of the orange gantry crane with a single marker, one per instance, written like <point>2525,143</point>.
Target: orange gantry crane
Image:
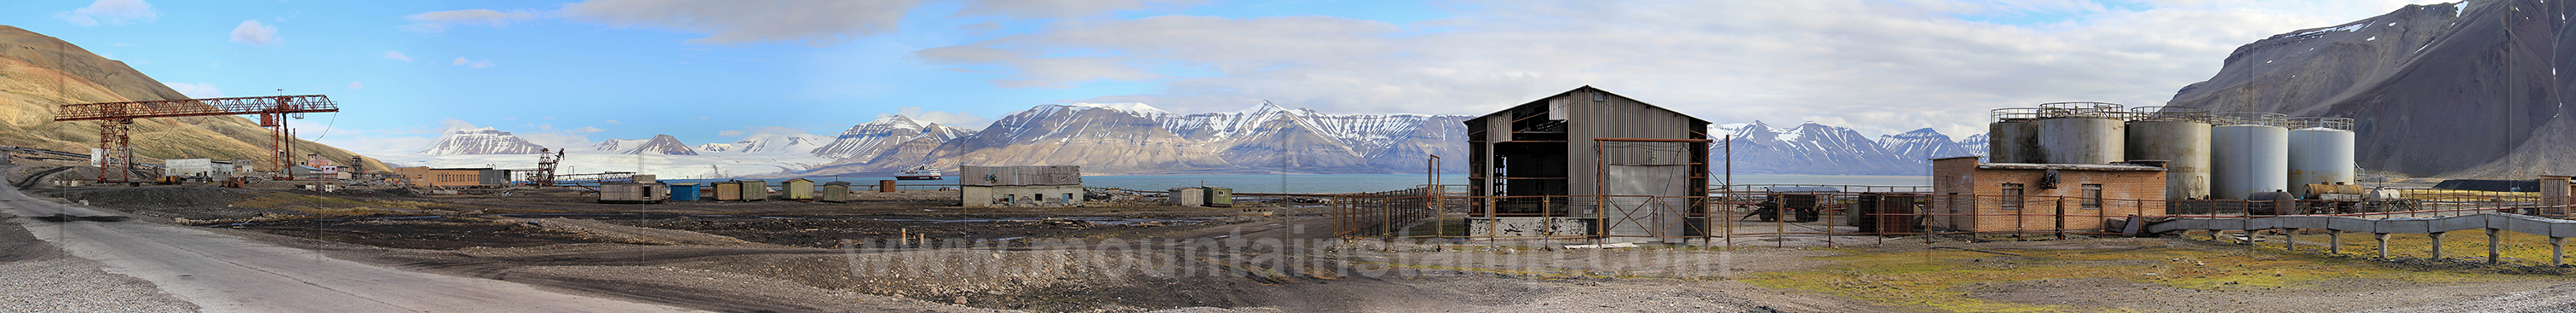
<point>114,116</point>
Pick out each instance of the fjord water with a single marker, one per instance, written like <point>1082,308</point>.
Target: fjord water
<point>1350,183</point>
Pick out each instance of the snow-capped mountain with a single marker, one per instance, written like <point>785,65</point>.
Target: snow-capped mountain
<point>866,141</point>
<point>1922,145</point>
<point>1975,143</point>
<point>1138,138</point>
<point>660,144</point>
<point>1812,149</point>
<point>770,144</point>
<point>480,141</point>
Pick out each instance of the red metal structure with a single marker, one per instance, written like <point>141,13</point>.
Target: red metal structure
<point>114,116</point>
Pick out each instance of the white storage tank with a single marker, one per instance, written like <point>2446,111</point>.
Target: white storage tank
<point>2249,153</point>
<point>2013,137</point>
<point>2320,152</point>
<point>2180,136</point>
<point>2082,133</point>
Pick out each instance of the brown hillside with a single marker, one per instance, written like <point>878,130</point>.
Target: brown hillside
<point>39,74</point>
<point>2433,90</point>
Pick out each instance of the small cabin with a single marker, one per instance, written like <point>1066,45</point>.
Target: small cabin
<point>639,193</point>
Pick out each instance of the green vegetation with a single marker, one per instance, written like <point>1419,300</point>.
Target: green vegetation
<point>1935,279</point>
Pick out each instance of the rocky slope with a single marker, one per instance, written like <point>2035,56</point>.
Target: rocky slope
<point>480,141</point>
<point>2457,90</point>
<point>39,73</point>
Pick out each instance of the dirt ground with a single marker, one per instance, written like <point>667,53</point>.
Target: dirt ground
<point>915,251</point>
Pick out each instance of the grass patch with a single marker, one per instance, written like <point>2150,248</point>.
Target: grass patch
<point>1934,280</point>
<point>2471,245</point>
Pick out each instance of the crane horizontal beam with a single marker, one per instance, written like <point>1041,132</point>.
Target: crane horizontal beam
<point>196,107</point>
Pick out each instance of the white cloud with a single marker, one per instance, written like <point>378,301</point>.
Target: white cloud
<point>461,61</point>
<point>959,120</point>
<point>117,12</point>
<point>251,32</point>
<point>614,122</point>
<point>547,135</point>
<point>1064,8</point>
<point>197,90</point>
<point>756,130</point>
<point>1881,67</point>
<point>397,55</point>
<point>449,125</point>
<point>433,22</point>
<point>812,22</point>
<point>357,85</point>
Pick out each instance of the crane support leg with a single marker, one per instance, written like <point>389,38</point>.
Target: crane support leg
<point>115,153</point>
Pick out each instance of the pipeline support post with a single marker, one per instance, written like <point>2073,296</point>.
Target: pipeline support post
<point>2557,251</point>
<point>2383,244</point>
<point>2334,241</point>
<point>2437,245</point>
<point>2290,239</point>
<point>2492,258</point>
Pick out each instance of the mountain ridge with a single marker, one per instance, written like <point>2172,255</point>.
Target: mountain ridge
<point>39,74</point>
<point>2434,90</point>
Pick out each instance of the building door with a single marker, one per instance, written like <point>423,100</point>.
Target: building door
<point>1633,216</point>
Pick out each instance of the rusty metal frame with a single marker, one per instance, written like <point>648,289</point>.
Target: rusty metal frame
<point>114,136</point>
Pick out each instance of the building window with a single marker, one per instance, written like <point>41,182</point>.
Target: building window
<point>2012,196</point>
<point>2092,196</point>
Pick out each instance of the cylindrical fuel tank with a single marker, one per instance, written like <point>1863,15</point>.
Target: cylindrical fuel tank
<point>2082,133</point>
<point>2013,137</point>
<point>2248,156</point>
<point>2184,145</point>
<point>2320,153</point>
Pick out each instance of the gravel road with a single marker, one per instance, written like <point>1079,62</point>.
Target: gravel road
<point>36,277</point>
<point>222,273</point>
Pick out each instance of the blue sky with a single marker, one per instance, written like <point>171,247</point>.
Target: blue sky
<point>570,73</point>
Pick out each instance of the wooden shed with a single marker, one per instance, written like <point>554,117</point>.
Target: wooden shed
<point>797,189</point>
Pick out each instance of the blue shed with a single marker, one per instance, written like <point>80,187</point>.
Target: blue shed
<point>684,192</point>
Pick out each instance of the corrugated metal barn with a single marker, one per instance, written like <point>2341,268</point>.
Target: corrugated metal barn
<point>1547,158</point>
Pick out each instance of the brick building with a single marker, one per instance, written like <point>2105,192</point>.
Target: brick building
<point>2008,197</point>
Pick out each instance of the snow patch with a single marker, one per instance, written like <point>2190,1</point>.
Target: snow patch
<point>2371,38</point>
<point>1129,107</point>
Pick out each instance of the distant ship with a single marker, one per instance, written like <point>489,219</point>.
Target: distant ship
<point>919,173</point>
